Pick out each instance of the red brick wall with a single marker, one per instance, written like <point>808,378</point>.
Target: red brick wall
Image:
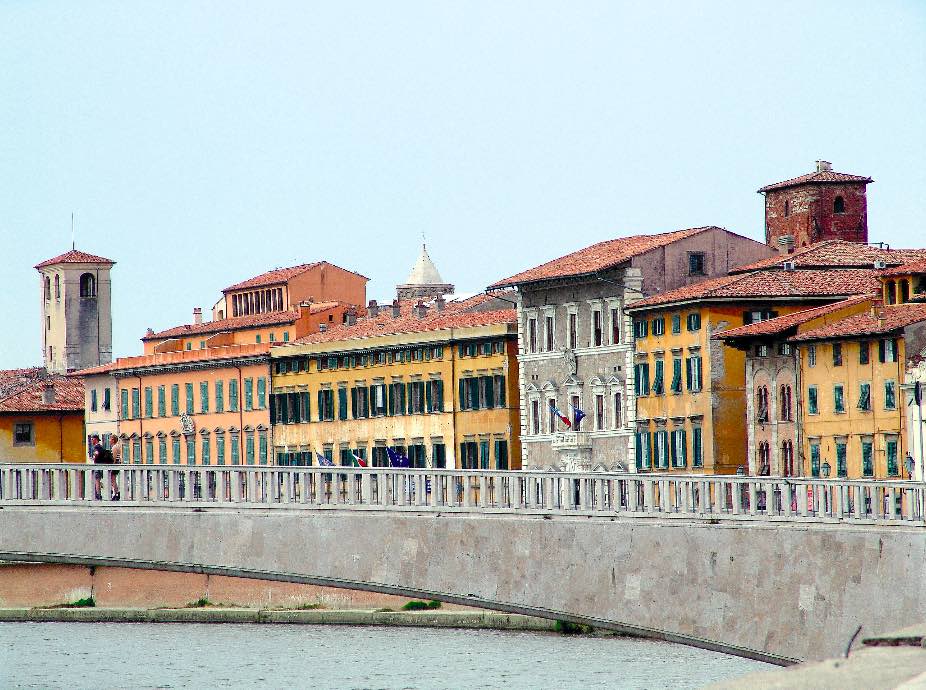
<point>810,202</point>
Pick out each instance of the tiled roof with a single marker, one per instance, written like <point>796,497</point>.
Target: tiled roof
<point>75,256</point>
<point>886,320</point>
<point>281,275</point>
<point>819,177</point>
<point>162,359</point>
<point>780,324</point>
<point>597,257</point>
<point>906,269</point>
<point>235,323</point>
<point>827,283</point>
<point>24,389</point>
<point>838,254</point>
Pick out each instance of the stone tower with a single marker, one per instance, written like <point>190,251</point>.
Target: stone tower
<point>424,282</point>
<point>77,323</point>
<point>822,205</point>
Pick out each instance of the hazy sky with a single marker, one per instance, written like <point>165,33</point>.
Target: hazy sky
<point>202,143</point>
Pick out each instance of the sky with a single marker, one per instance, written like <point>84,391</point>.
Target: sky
<point>201,143</point>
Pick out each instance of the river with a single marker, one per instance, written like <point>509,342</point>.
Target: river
<point>190,655</point>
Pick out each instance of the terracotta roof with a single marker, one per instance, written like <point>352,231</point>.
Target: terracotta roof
<point>75,256</point>
<point>838,254</point>
<point>780,324</point>
<point>598,257</point>
<point>27,394</point>
<point>232,324</point>
<point>905,269</point>
<point>887,319</point>
<point>162,359</point>
<point>819,177</point>
<point>767,284</point>
<point>281,275</point>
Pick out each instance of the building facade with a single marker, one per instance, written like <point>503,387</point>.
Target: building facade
<point>575,338</point>
<point>438,384</point>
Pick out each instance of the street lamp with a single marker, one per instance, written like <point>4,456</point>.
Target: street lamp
<point>825,469</point>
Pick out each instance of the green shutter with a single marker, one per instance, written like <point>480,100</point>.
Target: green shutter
<point>220,449</point>
<point>262,457</point>
<point>249,449</point>
<point>189,398</point>
<point>261,393</point>
<point>501,398</point>
<point>354,405</point>
<point>342,404</point>
<point>321,406</point>
<point>219,396</point>
<point>248,394</point>
<point>428,397</point>
<point>462,405</point>
<point>233,395</point>
<point>204,396</point>
<point>489,383</point>
<point>175,399</point>
<point>206,451</point>
<point>439,395</point>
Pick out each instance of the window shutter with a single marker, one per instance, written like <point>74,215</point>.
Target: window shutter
<point>353,402</point>
<point>501,391</point>
<point>489,383</point>
<point>273,408</point>
<point>390,409</point>
<point>342,403</point>
<point>882,351</point>
<point>439,396</point>
<point>684,441</point>
<point>321,406</point>
<point>688,372</point>
<point>462,394</point>
<point>428,396</point>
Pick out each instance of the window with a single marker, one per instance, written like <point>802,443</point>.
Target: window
<point>784,348</point>
<point>841,469</point>
<point>640,328</point>
<point>149,402</point>
<point>616,411</point>
<point>887,350</point>
<point>262,448</point>
<point>220,396</point>
<point>553,418</point>
<point>189,398</point>
<point>864,397</point>
<point>890,395</point>
<point>615,326</point>
<point>839,205</point>
<point>839,404</point>
<point>532,335</point>
<point>107,402</point>
<point>235,448</point>
<point>661,449</point>
<point>204,397</point>
<point>57,287</point>
<point>659,326</point>
<point>360,402</point>
<point>124,400</point>
<point>548,333</point>
<point>599,412</point>
<point>814,459</point>
<point>679,448</point>
<point>206,450</point>
<point>837,354</point>
<point>162,451</point>
<point>891,292</point>
<point>693,373</point>
<point>87,286</point>
<point>325,405</point>
<point>787,208</point>
<point>694,321</point>
<point>758,316</point>
<point>643,452</point>
<point>676,385</point>
<point>501,454</point>
<point>811,355</point>
<point>416,401</point>
<point>890,451</point>
<point>787,458</point>
<point>863,352</point>
<point>248,394</point>
<point>162,402</point>
<point>23,434</point>
<point>93,400</point>
<point>784,403</point>
<point>641,378</point>
<point>220,449</point>
<point>261,393</point>
<point>190,450</point>
<point>596,327</point>
<point>535,417</point>
<point>762,413</point>
<point>762,350</point>
<point>249,448</point>
<point>868,469</point>
<point>658,373</point>
<point>697,454</point>
<point>469,455</point>
<point>175,399</point>
<point>175,450</point>
<point>136,403</point>
<point>573,328</point>
<point>696,263</point>
<point>378,399</point>
<point>812,407</point>
<point>233,395</point>
<point>676,323</point>
<point>397,400</point>
<point>763,458</point>
<point>47,289</point>
<point>904,286</point>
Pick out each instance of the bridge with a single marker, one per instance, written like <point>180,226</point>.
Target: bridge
<point>773,569</point>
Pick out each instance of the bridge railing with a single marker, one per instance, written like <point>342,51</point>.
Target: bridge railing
<point>643,495</point>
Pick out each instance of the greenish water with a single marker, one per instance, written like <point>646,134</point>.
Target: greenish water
<point>193,655</point>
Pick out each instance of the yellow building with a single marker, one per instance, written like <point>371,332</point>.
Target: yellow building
<point>437,383</point>
<point>851,372</point>
<point>41,417</point>
<point>690,388</point>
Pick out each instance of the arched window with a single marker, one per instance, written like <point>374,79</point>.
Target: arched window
<point>787,208</point>
<point>839,205</point>
<point>57,286</point>
<point>762,459</point>
<point>47,288</point>
<point>787,458</point>
<point>762,404</point>
<point>784,403</point>
<point>87,285</point>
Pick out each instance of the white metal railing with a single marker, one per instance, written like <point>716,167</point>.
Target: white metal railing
<point>632,495</point>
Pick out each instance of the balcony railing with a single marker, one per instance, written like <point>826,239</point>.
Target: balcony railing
<point>711,497</point>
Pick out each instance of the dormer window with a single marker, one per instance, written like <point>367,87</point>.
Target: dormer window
<point>839,205</point>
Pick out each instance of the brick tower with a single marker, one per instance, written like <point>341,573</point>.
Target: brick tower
<point>822,205</point>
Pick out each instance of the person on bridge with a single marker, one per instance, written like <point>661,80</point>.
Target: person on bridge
<point>909,465</point>
<point>102,456</point>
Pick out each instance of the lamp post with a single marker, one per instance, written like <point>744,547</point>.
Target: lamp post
<point>825,471</point>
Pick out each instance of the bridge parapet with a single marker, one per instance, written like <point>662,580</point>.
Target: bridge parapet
<point>707,497</point>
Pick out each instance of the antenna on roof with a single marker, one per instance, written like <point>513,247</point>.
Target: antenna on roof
<point>73,246</point>
<point>423,241</point>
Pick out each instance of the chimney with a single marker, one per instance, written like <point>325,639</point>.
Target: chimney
<point>440,303</point>
<point>48,394</point>
<point>373,309</point>
<point>197,315</point>
<point>824,166</point>
<point>350,317</point>
<point>785,245</point>
<point>421,310</point>
<point>149,332</point>
<point>396,309</point>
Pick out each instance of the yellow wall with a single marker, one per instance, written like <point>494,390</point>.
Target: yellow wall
<point>853,425</point>
<point>58,438</point>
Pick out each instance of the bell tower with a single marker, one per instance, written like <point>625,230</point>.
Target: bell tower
<point>77,324</point>
<point>822,205</point>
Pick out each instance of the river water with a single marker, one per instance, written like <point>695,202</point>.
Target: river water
<point>190,655</point>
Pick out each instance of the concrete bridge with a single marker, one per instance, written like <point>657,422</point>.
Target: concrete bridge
<point>772,569</point>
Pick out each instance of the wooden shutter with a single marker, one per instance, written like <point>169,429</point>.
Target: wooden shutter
<point>428,396</point>
<point>342,403</point>
<point>489,384</point>
<point>463,394</point>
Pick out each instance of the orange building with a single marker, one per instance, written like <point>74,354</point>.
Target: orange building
<point>192,407</point>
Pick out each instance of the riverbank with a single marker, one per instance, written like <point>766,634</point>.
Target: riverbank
<point>475,620</point>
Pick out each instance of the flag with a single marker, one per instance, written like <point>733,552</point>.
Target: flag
<point>323,461</point>
<point>396,459</point>
<point>577,414</point>
<point>360,461</point>
<point>559,414</point>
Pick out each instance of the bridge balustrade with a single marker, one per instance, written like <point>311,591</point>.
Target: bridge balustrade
<point>713,497</point>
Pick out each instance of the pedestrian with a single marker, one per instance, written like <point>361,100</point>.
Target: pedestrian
<point>909,465</point>
<point>101,456</point>
<point>115,448</point>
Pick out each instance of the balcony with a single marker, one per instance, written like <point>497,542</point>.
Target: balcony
<point>572,441</point>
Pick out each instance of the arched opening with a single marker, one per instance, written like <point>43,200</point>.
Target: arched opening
<point>57,286</point>
<point>47,288</point>
<point>904,286</point>
<point>87,285</point>
<point>787,458</point>
<point>839,205</point>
